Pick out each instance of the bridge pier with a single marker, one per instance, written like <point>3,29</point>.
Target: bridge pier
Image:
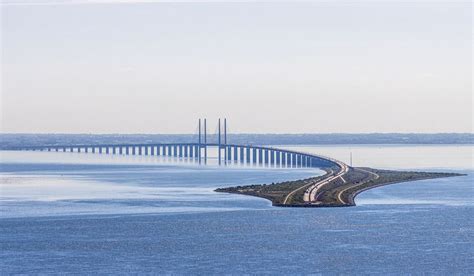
<point>229,153</point>
<point>236,157</point>
<point>233,154</point>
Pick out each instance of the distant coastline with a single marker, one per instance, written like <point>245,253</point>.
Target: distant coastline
<point>11,140</point>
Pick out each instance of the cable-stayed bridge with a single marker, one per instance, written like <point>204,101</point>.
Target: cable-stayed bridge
<point>200,151</point>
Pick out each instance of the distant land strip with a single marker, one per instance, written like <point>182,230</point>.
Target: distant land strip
<point>12,140</point>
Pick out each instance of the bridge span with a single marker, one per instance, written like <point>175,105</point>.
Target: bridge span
<point>226,153</point>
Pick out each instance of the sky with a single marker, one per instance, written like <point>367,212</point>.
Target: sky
<point>129,66</point>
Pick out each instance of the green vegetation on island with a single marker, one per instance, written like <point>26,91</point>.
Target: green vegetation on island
<point>336,193</point>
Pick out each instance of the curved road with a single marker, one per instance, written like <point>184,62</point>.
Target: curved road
<point>312,192</point>
<point>339,195</point>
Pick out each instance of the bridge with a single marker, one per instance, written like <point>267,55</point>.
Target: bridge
<point>227,154</point>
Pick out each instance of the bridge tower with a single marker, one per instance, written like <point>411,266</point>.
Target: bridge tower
<point>201,139</point>
<point>205,141</point>
<point>222,146</point>
<point>199,142</point>
<point>219,146</point>
<point>225,142</point>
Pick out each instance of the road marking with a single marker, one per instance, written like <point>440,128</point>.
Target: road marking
<point>341,192</point>
<point>315,188</point>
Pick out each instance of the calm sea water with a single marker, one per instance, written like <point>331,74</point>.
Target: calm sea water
<point>84,214</point>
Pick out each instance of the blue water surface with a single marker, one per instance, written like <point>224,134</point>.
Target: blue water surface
<point>135,217</point>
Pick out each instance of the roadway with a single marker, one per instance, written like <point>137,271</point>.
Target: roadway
<point>311,194</point>
<point>339,195</point>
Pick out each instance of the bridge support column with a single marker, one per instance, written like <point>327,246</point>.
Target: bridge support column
<point>236,150</point>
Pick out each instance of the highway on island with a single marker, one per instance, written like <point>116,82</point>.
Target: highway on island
<point>311,194</point>
<point>339,195</point>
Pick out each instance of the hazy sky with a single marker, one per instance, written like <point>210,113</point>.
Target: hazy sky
<point>122,67</point>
